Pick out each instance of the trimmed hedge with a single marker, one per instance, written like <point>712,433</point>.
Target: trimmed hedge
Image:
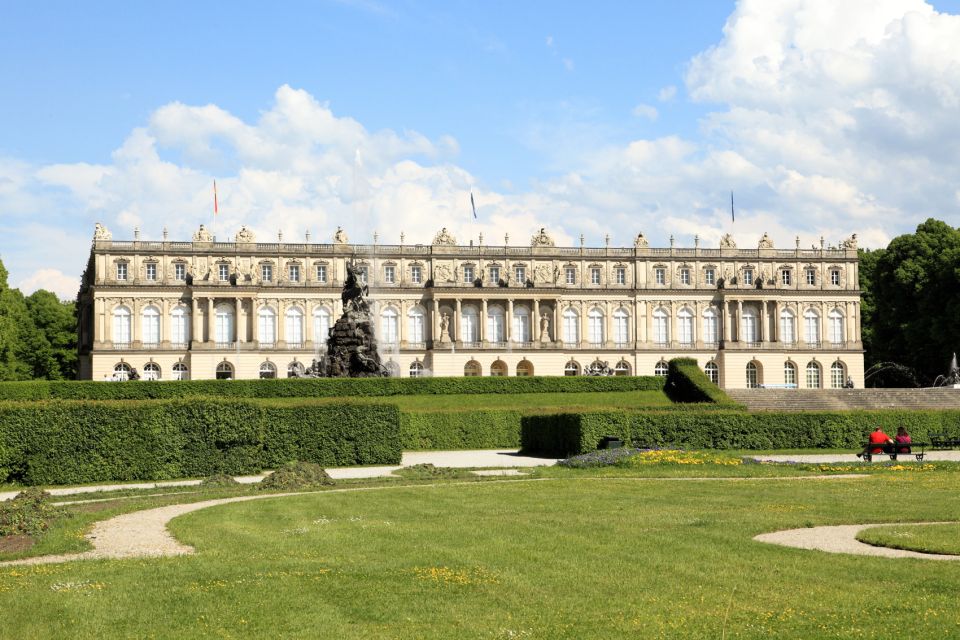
<point>567,434</point>
<point>687,383</point>
<point>317,387</point>
<point>484,429</point>
<point>68,442</point>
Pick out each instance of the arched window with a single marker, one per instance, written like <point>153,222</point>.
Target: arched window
<point>393,369</point>
<point>710,326</point>
<point>496,324</point>
<point>838,375</point>
<point>121,372</point>
<point>753,375</point>
<point>121,326</point>
<point>789,374</point>
<point>150,326</point>
<point>268,370</point>
<point>293,329</point>
<point>749,324</point>
<point>571,329</point>
<point>788,326</point>
<point>813,375</point>
<point>836,327</point>
<point>415,325</point>
<point>572,369</point>
<point>713,372</point>
<point>295,369</point>
<point>389,326</point>
<point>266,327</point>
<point>223,326</point>
<point>524,368</point>
<point>224,371</point>
<point>622,368</point>
<point>521,324</point>
<point>498,368</point>
<point>416,369</point>
<point>661,326</point>
<point>151,371</point>
<point>595,327</point>
<point>661,369</point>
<point>469,327</point>
<point>621,327</point>
<point>685,326</point>
<point>321,325</point>
<point>180,372</point>
<point>472,369</point>
<point>811,327</point>
<point>180,325</point>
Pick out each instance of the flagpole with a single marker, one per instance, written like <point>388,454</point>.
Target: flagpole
<point>216,209</point>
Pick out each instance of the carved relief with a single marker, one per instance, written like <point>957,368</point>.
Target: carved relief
<point>100,232</point>
<point>245,235</point>
<point>849,243</point>
<point>340,236</point>
<point>443,272</point>
<point>541,239</point>
<point>202,235</point>
<point>641,242</point>
<point>543,274</point>
<point>444,238</point>
<point>765,242</point>
<point>727,242</point>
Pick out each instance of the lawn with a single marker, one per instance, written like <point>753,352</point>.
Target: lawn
<point>571,554</point>
<point>938,538</point>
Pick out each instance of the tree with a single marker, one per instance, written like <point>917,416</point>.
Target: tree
<point>56,321</point>
<point>17,333</point>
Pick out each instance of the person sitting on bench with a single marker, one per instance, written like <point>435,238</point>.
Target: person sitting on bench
<point>876,443</point>
<point>903,438</point>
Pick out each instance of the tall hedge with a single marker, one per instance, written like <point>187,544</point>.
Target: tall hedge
<point>61,442</point>
<point>566,434</point>
<point>481,429</point>
<point>318,387</point>
<point>687,383</point>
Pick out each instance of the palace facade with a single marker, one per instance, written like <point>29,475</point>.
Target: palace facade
<point>249,309</point>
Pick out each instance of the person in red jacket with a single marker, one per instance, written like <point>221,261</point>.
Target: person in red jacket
<point>877,439</point>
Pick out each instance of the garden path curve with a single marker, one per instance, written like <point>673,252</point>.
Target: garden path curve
<point>843,539</point>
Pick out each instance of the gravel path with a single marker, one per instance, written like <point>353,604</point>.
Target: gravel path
<point>843,539</point>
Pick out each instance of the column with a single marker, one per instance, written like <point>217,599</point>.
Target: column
<point>281,322</point>
<point>725,320</point>
<point>456,323</point>
<point>674,308</point>
<point>164,321</point>
<point>640,321</point>
<point>435,322</point>
<point>762,329</point>
<point>851,322</point>
<point>99,318</point>
<point>607,323</point>
<point>241,321</point>
<point>824,337</point>
<point>776,323</point>
<point>508,321</point>
<point>584,327</point>
<point>308,336</point>
<point>483,321</point>
<point>211,327</point>
<point>649,322</point>
<point>535,321</point>
<point>134,321</point>
<point>557,318</point>
<point>196,331</point>
<point>401,321</point>
<point>739,319</point>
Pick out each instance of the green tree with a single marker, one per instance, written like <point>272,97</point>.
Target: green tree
<point>17,333</point>
<point>56,321</point>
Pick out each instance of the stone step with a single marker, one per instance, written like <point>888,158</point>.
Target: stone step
<point>845,399</point>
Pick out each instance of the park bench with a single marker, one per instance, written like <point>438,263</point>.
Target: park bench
<point>894,450</point>
<point>943,441</point>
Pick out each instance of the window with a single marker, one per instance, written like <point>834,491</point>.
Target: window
<point>661,369</point>
<point>594,275</point>
<point>223,324</point>
<point>293,271</point>
<point>520,274</point>
<point>496,324</point>
<point>389,321</point>
<point>710,326</point>
<point>621,327</point>
<point>224,272</point>
<point>469,324</point>
<point>498,368</point>
<point>835,277</point>
<point>321,325</point>
<point>266,327</point>
<point>266,272</point>
<point>389,274</point>
<point>811,277</point>
<point>121,271</point>
<point>685,326</point>
<point>494,274</point>
<point>524,368</point>
<point>416,369</point>
<point>151,371</point>
<point>364,273</point>
<point>572,369</point>
<point>293,327</point>
<point>416,274</point>
<point>813,376</point>
<point>179,271</point>
<point>467,273</point>
<point>621,275</point>
<point>595,326</point>
<point>180,325</point>
<point>789,373</point>
<point>660,275</point>
<point>622,368</point>
<point>836,327</point>
<point>295,369</point>
<point>788,327</point>
<point>661,326</point>
<point>521,324</point>
<point>710,277</point>
<point>571,274</point>
<point>415,324</point>
<point>811,327</point>
<point>268,370</point>
<point>121,326</point>
<point>150,325</point>
<point>713,372</point>
<point>684,276</point>
<point>151,269</point>
<point>180,372</point>
<point>837,377</point>
<point>748,276</point>
<point>322,273</point>
<point>749,323</point>
<point>571,332</point>
<point>785,277</point>
<point>224,371</point>
<point>472,369</point>
<point>121,372</point>
<point>753,375</point>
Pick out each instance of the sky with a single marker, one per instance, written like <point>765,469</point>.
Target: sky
<point>823,118</point>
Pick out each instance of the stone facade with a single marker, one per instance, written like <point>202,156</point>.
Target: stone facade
<point>245,309</point>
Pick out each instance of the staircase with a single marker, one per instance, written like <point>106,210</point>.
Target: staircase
<point>793,400</point>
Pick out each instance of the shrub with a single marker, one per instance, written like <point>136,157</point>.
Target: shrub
<point>296,475</point>
<point>598,458</point>
<point>483,429</point>
<point>687,383</point>
<point>219,480</point>
<point>28,513</point>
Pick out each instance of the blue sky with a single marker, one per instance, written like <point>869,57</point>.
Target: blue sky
<point>604,118</point>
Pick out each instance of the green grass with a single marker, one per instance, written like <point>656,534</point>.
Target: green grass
<point>934,538</point>
<point>569,556</point>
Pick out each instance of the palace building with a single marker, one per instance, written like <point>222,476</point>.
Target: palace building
<point>246,309</point>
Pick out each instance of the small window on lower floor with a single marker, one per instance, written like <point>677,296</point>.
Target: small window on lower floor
<point>472,369</point>
<point>661,369</point>
<point>416,370</point>
<point>224,371</point>
<point>268,370</point>
<point>713,372</point>
<point>572,369</point>
<point>180,372</point>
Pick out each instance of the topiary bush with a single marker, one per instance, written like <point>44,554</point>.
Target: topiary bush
<point>687,383</point>
<point>296,475</point>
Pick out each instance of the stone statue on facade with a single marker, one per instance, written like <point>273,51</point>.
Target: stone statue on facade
<point>765,242</point>
<point>598,368</point>
<point>444,238</point>
<point>445,328</point>
<point>641,242</point>
<point>245,235</point>
<point>202,235</point>
<point>541,239</point>
<point>544,328</point>
<point>340,236</point>
<point>727,242</point>
<point>849,243</point>
<point>100,232</point>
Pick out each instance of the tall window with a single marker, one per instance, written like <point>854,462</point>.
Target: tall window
<point>749,323</point>
<point>660,275</point>
<point>223,271</point>
<point>788,327</point>
<point>571,275</point>
<point>837,377</point>
<point>494,275</point>
<point>811,327</point>
<point>571,332</point>
<point>748,276</point>
<point>789,373</point>
<point>469,324</point>
<point>180,372</point>
<point>293,327</point>
<point>786,277</point>
<point>389,326</point>
<point>180,325</point>
<point>710,326</point>
<point>151,371</point>
<point>712,371</point>
<point>595,326</point>
<point>520,274</point>
<point>151,270</point>
<point>594,275</point>
<point>266,272</point>
<point>684,276</point>
<point>416,274</point>
<point>521,324</point>
<point>496,324</point>
<point>415,324</point>
<point>223,324</point>
<point>621,326</point>
<point>321,325</point>
<point>266,326</point>
<point>389,274</point>
<point>572,369</point>
<point>472,369</point>
<point>813,375</point>
<point>468,273</point>
<point>150,325</point>
<point>661,326</point>
<point>416,370</point>
<point>179,271</point>
<point>811,277</point>
<point>661,369</point>
<point>322,273</point>
<point>121,271</point>
<point>621,273</point>
<point>836,327</point>
<point>268,370</point>
<point>121,325</point>
<point>709,277</point>
<point>685,326</point>
<point>293,271</point>
<point>835,277</point>
<point>753,375</point>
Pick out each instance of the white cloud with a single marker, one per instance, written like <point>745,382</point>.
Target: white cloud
<point>65,286</point>
<point>668,93</point>
<point>645,111</point>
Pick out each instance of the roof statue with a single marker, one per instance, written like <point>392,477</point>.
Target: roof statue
<point>443,237</point>
<point>202,235</point>
<point>727,242</point>
<point>340,236</point>
<point>641,242</point>
<point>100,232</point>
<point>850,243</point>
<point>245,235</point>
<point>541,239</point>
<point>765,242</point>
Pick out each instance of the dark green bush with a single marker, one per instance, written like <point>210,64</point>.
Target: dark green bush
<point>482,429</point>
<point>28,513</point>
<point>567,434</point>
<point>296,475</point>
<point>687,383</point>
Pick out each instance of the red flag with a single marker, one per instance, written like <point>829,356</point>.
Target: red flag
<point>215,208</point>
